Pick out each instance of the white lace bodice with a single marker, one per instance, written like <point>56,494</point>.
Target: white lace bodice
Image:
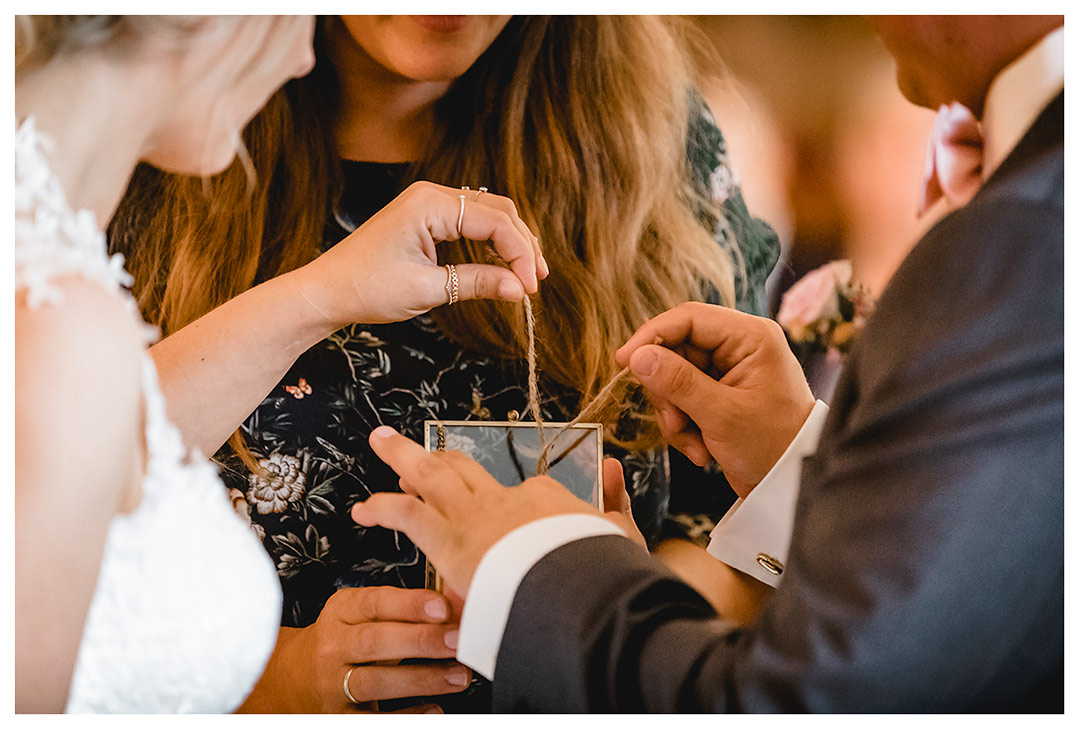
<point>187,605</point>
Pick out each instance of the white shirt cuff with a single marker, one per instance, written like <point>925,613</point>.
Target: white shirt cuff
<point>755,534</point>
<point>501,570</point>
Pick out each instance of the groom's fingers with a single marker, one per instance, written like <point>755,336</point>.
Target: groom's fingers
<point>474,476</point>
<point>422,472</point>
<point>729,335</point>
<point>675,382</point>
<point>615,497</point>
<point>420,521</point>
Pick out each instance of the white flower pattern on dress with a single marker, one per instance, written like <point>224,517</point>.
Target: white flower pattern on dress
<point>243,511</point>
<point>280,483</point>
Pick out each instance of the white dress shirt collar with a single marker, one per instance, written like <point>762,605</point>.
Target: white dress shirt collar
<point>1018,94</point>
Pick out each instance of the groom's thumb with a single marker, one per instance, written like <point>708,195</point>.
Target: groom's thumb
<point>667,375</point>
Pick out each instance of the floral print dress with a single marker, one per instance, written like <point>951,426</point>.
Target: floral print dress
<point>310,433</point>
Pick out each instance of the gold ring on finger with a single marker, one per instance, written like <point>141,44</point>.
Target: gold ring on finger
<point>451,283</point>
<point>460,215</point>
<point>348,692</point>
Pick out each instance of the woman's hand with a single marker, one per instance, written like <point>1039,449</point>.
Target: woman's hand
<point>367,630</point>
<point>387,270</point>
<point>217,370</point>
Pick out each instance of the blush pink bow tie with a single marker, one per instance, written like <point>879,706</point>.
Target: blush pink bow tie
<point>953,158</point>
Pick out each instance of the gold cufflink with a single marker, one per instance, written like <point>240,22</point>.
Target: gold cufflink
<point>770,563</point>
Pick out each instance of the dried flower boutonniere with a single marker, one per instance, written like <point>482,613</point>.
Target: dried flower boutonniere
<point>823,311</point>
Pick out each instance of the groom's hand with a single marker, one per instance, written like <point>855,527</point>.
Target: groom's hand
<point>452,508</point>
<point>725,384</point>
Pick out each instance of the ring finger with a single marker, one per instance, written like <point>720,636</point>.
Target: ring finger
<point>385,682</point>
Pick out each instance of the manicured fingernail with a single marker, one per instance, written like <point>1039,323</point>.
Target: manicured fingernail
<point>644,363</point>
<point>383,432</point>
<point>433,710</point>
<point>511,291</point>
<point>451,639</point>
<point>544,266</point>
<point>457,676</point>
<point>436,609</point>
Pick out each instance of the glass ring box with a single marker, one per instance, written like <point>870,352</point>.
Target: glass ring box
<point>509,451</point>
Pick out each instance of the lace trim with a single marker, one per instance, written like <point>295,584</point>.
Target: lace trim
<point>51,240</point>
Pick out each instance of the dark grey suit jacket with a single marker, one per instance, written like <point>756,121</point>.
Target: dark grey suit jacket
<point>926,570</point>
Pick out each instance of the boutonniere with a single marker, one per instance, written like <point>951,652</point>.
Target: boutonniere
<point>824,310</point>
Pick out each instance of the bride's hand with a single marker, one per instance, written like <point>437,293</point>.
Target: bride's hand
<point>386,270</point>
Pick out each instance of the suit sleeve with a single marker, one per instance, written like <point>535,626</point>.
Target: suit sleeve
<point>926,564</point>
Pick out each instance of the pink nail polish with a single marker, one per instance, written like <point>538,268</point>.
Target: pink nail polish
<point>457,676</point>
<point>451,639</point>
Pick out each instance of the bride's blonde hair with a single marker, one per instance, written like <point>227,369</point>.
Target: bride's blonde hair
<point>40,38</point>
<point>582,120</point>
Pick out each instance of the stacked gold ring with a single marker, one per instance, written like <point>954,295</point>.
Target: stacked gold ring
<point>451,283</point>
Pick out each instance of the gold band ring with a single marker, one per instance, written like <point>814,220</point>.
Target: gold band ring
<point>348,692</point>
<point>451,283</point>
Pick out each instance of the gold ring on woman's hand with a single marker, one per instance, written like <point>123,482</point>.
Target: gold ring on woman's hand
<point>451,283</point>
<point>460,215</point>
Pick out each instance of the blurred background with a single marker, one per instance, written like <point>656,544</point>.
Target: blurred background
<point>825,147</point>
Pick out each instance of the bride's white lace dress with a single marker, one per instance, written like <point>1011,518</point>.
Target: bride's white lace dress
<point>188,604</point>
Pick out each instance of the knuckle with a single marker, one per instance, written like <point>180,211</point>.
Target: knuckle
<point>483,287</point>
<point>454,457</point>
<point>772,330</point>
<point>430,469</point>
<point>339,596</point>
<point>679,379</point>
<point>411,509</point>
<point>417,643</point>
<point>420,187</point>
<point>375,502</point>
<point>365,642</point>
<point>547,482</point>
<point>504,223</point>
<point>339,600</point>
<point>508,206</point>
<point>376,599</point>
<point>324,652</point>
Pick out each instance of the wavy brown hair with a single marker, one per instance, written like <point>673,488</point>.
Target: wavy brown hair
<point>581,120</point>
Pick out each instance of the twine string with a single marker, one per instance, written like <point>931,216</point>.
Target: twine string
<point>546,445</point>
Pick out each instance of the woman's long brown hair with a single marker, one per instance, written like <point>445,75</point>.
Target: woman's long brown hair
<point>581,120</point>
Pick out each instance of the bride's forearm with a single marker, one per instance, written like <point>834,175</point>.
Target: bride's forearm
<point>215,371</point>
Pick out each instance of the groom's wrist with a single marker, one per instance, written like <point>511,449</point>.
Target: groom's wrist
<point>500,572</point>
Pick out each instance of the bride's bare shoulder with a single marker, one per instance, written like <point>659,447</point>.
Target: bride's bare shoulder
<point>78,383</point>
